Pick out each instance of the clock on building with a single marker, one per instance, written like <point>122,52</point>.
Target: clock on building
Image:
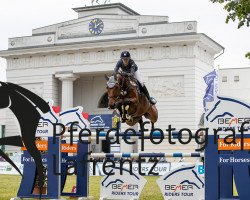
<point>96,26</point>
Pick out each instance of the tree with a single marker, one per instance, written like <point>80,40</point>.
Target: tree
<point>237,10</point>
<point>248,55</point>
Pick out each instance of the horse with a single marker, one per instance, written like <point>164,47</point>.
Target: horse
<point>124,94</point>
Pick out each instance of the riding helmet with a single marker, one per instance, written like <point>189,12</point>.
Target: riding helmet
<point>125,54</point>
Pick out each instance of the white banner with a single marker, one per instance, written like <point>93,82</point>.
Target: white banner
<point>6,168</point>
<point>182,183</point>
<point>125,186</point>
<point>199,167</point>
<point>161,168</point>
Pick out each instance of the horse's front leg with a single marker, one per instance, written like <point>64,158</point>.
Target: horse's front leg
<point>129,101</point>
<point>121,107</point>
<point>118,104</point>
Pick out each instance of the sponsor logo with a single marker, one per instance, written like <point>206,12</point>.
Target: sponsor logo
<point>125,186</point>
<point>233,120</point>
<point>43,124</point>
<point>96,120</point>
<point>180,187</point>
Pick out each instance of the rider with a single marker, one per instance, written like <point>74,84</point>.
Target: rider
<point>127,65</point>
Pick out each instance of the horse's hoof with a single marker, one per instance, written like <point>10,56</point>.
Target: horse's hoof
<point>127,107</point>
<point>128,117</point>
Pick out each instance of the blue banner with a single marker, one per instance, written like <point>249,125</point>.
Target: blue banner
<point>102,121</point>
<point>209,93</point>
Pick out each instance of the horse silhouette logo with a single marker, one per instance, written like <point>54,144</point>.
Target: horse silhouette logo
<point>26,106</point>
<point>97,120</point>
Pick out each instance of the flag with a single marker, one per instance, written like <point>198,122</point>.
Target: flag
<point>211,80</point>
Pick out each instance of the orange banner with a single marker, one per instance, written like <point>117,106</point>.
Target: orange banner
<point>223,146</point>
<point>65,148</point>
<point>41,145</point>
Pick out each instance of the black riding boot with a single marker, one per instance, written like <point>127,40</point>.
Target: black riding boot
<point>151,99</point>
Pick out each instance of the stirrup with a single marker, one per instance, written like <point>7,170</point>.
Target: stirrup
<point>153,100</point>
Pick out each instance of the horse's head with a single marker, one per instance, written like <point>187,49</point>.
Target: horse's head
<point>118,86</point>
<point>113,90</point>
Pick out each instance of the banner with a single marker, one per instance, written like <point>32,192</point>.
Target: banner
<point>211,80</point>
<point>100,121</point>
<point>182,183</point>
<point>161,168</point>
<point>125,186</point>
<point>6,168</point>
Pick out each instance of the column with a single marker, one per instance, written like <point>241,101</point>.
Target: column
<point>67,79</point>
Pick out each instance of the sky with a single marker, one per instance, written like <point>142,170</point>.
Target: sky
<point>19,17</point>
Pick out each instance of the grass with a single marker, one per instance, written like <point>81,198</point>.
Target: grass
<point>9,185</point>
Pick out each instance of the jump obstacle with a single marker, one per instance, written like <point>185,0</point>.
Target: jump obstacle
<point>218,177</point>
<point>54,156</point>
<point>146,155</point>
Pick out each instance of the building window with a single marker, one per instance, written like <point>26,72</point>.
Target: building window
<point>224,78</point>
<point>103,102</point>
<point>236,78</point>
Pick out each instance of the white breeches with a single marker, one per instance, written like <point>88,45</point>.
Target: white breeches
<point>137,75</point>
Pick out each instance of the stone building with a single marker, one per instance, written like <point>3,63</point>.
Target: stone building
<point>67,61</point>
<point>234,82</point>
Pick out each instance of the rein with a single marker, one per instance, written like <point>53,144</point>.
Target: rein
<point>123,91</point>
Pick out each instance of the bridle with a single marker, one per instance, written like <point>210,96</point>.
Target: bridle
<point>123,91</point>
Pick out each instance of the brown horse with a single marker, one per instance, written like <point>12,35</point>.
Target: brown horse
<point>124,94</point>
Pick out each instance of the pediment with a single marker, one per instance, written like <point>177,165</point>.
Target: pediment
<point>115,25</point>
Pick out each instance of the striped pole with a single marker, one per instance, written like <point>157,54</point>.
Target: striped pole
<point>136,155</point>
